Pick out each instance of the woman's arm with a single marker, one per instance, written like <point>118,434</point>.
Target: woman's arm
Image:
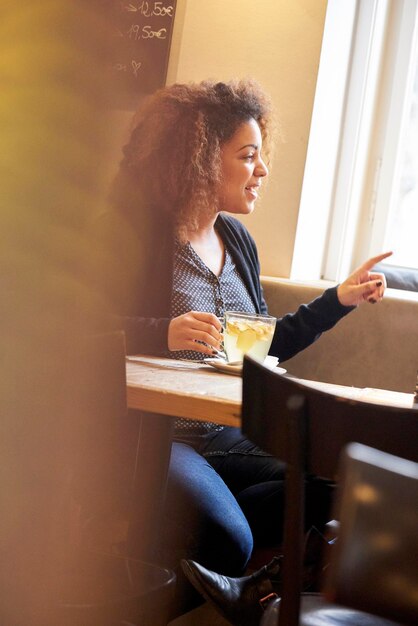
<point>133,274</point>
<point>297,331</point>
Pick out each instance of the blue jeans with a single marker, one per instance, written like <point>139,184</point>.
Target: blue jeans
<point>224,496</point>
<point>216,483</point>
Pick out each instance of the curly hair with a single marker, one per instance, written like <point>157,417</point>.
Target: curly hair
<point>173,157</point>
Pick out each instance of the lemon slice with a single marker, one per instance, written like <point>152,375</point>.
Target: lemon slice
<point>246,340</point>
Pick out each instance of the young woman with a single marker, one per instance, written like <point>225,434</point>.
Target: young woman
<point>197,156</point>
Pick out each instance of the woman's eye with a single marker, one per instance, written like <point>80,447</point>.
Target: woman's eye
<point>248,157</point>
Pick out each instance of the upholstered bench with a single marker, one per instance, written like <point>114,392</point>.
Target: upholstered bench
<point>374,346</point>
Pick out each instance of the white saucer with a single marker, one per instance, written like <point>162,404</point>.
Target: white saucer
<point>236,370</point>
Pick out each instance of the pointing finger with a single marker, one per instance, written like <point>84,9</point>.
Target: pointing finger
<point>367,265</point>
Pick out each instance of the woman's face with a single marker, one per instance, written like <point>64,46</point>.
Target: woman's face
<point>242,169</point>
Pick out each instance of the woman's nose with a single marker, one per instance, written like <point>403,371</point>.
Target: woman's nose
<point>261,169</point>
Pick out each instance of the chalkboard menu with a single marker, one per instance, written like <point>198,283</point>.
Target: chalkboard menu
<point>141,36</point>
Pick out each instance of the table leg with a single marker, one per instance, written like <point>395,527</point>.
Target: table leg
<point>149,484</point>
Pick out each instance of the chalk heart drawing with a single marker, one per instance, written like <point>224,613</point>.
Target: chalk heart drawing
<point>135,67</point>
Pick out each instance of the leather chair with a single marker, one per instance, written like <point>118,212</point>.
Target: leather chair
<point>308,429</point>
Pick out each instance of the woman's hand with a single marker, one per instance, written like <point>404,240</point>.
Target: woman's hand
<point>186,330</point>
<point>363,285</point>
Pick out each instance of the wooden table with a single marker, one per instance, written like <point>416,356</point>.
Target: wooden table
<point>162,388</point>
<point>198,391</point>
<point>183,389</point>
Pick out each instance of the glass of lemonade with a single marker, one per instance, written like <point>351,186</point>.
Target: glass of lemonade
<point>247,333</point>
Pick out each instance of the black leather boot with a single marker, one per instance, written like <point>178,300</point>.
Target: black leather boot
<point>240,600</point>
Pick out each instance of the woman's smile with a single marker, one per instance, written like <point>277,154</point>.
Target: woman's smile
<point>242,169</point>
<point>252,190</point>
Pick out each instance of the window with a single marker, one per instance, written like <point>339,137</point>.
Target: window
<point>402,222</point>
<point>360,192</point>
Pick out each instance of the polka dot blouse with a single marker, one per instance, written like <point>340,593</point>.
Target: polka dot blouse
<point>197,288</point>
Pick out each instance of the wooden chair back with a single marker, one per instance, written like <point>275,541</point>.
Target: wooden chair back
<point>308,428</point>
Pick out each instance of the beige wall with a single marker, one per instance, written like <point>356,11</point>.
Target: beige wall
<point>278,43</point>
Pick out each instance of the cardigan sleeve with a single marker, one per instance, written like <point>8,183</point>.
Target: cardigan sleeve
<point>146,335</point>
<point>296,331</point>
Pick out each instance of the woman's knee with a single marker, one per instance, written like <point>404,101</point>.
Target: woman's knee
<point>229,545</point>
<point>204,520</point>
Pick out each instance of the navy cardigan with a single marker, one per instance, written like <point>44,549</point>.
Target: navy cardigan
<point>136,269</point>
